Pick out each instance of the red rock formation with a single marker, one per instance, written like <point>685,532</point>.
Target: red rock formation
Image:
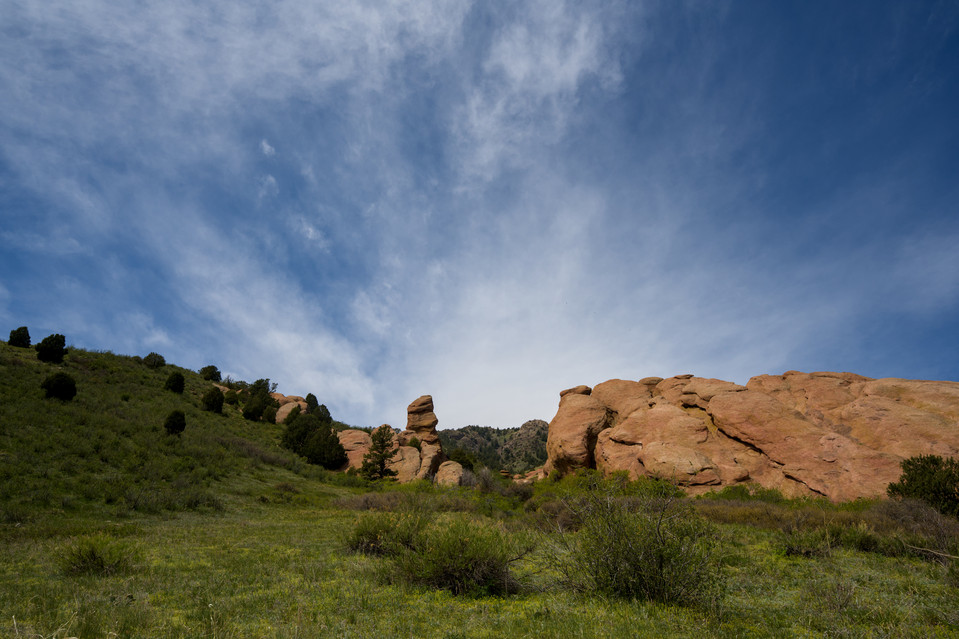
<point>834,434</point>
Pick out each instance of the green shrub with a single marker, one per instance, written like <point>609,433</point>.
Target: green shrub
<point>19,337</point>
<point>306,435</point>
<point>210,373</point>
<point>175,382</point>
<point>415,443</point>
<point>292,415</point>
<point>60,386</point>
<point>269,415</point>
<point>212,400</point>
<point>154,360</point>
<point>311,402</point>
<point>96,555</point>
<point>52,349</point>
<point>463,557</point>
<point>649,549</point>
<point>386,533</point>
<point>931,478</point>
<point>175,422</point>
<point>231,398</point>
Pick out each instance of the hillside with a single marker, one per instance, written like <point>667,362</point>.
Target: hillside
<point>107,447</point>
<point>514,449</point>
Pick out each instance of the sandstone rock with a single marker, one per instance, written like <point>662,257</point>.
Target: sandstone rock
<point>284,411</point>
<point>357,444</point>
<point>406,463</point>
<point>840,435</point>
<point>421,420</point>
<point>449,473</point>
<point>576,390</point>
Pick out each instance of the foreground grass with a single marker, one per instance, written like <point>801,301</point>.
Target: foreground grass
<point>274,564</point>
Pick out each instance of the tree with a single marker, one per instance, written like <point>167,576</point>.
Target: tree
<point>931,478</point>
<point>377,459</point>
<point>308,436</point>
<point>60,386</point>
<point>210,373</point>
<point>175,382</point>
<point>52,348</point>
<point>19,337</point>
<point>311,402</point>
<point>212,400</point>
<point>154,360</point>
<point>175,423</point>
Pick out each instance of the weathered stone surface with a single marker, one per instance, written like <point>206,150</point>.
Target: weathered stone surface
<point>285,409</point>
<point>450,473</point>
<point>835,434</point>
<point>572,433</point>
<point>421,420</point>
<point>357,444</point>
<point>406,463</point>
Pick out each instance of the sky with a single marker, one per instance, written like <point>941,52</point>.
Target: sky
<point>487,202</point>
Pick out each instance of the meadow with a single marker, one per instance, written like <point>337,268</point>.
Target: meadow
<point>112,528</point>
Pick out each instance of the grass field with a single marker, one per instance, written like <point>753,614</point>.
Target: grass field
<point>111,528</point>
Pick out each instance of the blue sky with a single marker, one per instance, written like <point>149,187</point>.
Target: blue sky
<point>485,202</point>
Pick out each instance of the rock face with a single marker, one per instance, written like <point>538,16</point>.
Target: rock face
<point>837,435</point>
<point>421,461</point>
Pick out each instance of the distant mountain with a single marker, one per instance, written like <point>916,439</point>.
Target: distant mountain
<point>514,449</point>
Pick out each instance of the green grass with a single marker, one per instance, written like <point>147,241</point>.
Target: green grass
<point>111,528</point>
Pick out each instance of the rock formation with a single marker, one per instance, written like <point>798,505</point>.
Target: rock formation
<point>837,435</point>
<point>419,459</point>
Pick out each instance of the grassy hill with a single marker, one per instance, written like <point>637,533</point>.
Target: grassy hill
<point>107,450</point>
<point>514,449</point>
<point>110,527</point>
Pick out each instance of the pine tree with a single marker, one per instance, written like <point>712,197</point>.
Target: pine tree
<point>377,459</point>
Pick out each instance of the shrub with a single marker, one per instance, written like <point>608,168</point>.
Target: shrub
<point>292,415</point>
<point>60,386</point>
<point>415,443</point>
<point>230,397</point>
<point>651,549</point>
<point>212,400</point>
<point>175,422</point>
<point>154,360</point>
<point>386,533</point>
<point>311,402</point>
<point>463,557</point>
<point>306,435</point>
<point>210,373</point>
<point>19,337</point>
<point>96,555</point>
<point>931,478</point>
<point>51,348</point>
<point>376,461</point>
<point>175,382</point>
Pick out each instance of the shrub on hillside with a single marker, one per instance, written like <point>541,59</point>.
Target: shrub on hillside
<point>19,337</point>
<point>292,415</point>
<point>60,386</point>
<point>931,478</point>
<point>175,382</point>
<point>212,400</point>
<point>231,398</point>
<point>314,439</point>
<point>154,360</point>
<point>462,556</point>
<point>651,549</point>
<point>387,533</point>
<point>210,373</point>
<point>96,555</point>
<point>311,402</point>
<point>175,423</point>
<point>52,348</point>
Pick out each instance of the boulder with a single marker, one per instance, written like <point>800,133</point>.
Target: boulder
<point>573,431</point>
<point>357,444</point>
<point>449,473</point>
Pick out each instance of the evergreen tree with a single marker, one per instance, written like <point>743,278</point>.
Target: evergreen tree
<point>377,459</point>
<point>212,400</point>
<point>19,337</point>
<point>311,402</point>
<point>931,478</point>
<point>308,436</point>
<point>175,382</point>
<point>210,373</point>
<point>52,349</point>
<point>154,360</point>
<point>175,423</point>
<point>60,386</point>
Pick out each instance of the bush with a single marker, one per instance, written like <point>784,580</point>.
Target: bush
<point>387,533</point>
<point>19,337</point>
<point>154,360</point>
<point>931,478</point>
<point>654,549</point>
<point>463,557</point>
<point>311,402</point>
<point>175,422</point>
<point>292,415</point>
<point>308,436</point>
<point>230,397</point>
<point>175,382</point>
<point>210,373</point>
<point>96,555</point>
<point>51,349</point>
<point>60,386</point>
<point>212,400</point>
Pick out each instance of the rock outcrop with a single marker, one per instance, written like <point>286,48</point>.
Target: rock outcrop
<point>837,435</point>
<point>419,454</point>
